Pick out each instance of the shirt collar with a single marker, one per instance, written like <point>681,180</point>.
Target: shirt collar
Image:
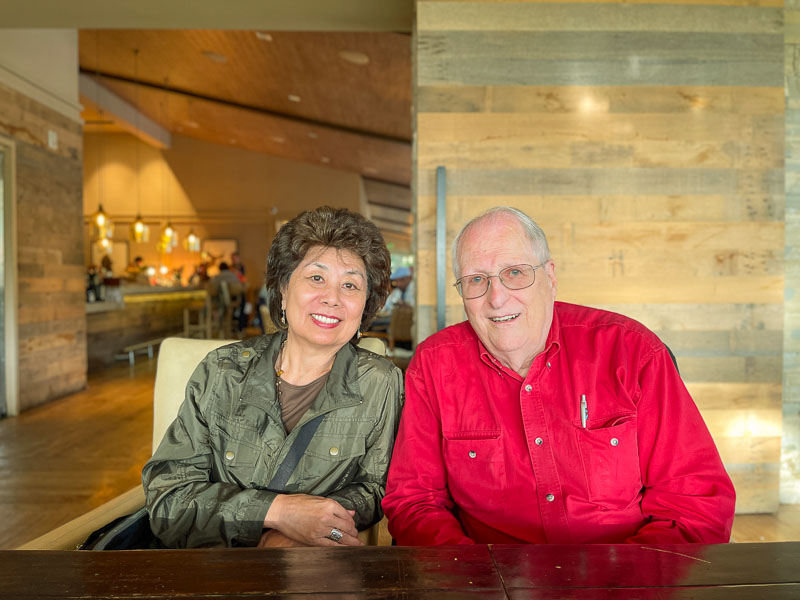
<point>551,346</point>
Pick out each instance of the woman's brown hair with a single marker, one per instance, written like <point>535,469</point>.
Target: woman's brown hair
<point>329,227</point>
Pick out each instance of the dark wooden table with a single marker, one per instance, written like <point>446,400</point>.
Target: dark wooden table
<point>729,571</point>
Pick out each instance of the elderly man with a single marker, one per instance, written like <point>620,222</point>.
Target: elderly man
<point>537,421</point>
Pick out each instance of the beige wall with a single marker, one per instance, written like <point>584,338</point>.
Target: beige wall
<point>221,192</point>
<point>647,139</point>
<point>42,64</point>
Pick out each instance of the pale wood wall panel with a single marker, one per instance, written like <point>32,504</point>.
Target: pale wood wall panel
<point>648,141</point>
<point>559,58</point>
<point>790,463</point>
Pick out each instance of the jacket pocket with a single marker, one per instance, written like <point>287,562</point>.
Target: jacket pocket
<point>239,461</point>
<point>330,463</point>
<point>476,470</point>
<point>610,457</point>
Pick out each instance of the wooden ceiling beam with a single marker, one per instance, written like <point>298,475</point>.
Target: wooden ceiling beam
<point>98,98</point>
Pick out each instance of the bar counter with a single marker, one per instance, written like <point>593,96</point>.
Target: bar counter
<point>729,571</point>
<point>142,313</point>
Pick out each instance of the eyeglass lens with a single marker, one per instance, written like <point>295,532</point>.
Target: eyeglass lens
<point>515,277</point>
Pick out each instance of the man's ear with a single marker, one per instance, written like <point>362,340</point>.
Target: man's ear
<point>550,269</point>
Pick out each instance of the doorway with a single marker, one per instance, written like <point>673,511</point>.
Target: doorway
<point>8,306</point>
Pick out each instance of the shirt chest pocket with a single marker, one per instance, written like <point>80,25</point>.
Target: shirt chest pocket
<point>610,458</point>
<point>476,470</point>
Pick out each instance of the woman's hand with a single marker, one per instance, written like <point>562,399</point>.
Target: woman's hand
<point>272,538</point>
<point>310,520</point>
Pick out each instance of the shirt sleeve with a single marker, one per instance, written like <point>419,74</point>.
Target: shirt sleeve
<point>365,493</point>
<point>417,503</point>
<point>688,497</point>
<point>187,508</point>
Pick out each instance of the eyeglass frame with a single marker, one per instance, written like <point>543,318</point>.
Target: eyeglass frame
<point>457,284</point>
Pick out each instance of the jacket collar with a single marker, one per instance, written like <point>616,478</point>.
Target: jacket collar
<point>340,391</point>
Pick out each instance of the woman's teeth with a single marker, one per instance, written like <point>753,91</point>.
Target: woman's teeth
<point>323,319</point>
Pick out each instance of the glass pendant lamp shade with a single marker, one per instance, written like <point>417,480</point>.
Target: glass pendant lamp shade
<point>102,228</point>
<point>192,242</point>
<point>139,231</point>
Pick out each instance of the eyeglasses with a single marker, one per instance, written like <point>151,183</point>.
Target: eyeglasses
<point>515,277</point>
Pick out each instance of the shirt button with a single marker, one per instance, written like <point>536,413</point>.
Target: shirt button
<point>334,451</point>
<point>539,441</point>
<point>528,387</point>
<point>550,497</point>
<point>548,364</point>
<point>229,455</point>
<point>614,442</point>
<point>472,454</point>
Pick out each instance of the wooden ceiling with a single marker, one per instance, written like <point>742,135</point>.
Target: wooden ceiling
<point>338,99</point>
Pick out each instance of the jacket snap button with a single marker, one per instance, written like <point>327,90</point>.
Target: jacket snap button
<point>548,364</point>
<point>539,441</point>
<point>229,455</point>
<point>334,451</point>
<point>472,454</point>
<point>528,387</point>
<point>614,442</point>
<point>550,497</point>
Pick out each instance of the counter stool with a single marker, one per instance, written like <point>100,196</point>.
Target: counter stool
<point>197,320</point>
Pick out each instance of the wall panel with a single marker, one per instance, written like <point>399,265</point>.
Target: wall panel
<point>647,139</point>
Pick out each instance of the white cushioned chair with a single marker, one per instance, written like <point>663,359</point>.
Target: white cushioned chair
<point>177,359</point>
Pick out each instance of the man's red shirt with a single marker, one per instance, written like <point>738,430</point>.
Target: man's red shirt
<point>485,455</point>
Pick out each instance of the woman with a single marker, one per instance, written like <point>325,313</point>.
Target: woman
<point>246,403</point>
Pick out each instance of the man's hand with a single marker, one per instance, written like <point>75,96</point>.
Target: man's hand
<point>272,538</point>
<point>310,520</point>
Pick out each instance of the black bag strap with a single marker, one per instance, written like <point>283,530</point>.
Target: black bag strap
<point>289,464</point>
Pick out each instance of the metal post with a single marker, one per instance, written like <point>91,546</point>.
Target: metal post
<point>441,246</point>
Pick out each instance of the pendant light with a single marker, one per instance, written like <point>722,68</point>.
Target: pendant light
<point>192,242</point>
<point>102,227</point>
<point>139,232</point>
<point>169,236</point>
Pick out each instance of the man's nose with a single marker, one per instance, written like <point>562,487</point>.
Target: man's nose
<point>497,292</point>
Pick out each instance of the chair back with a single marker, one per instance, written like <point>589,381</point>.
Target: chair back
<point>266,319</point>
<point>177,360</point>
<point>400,324</point>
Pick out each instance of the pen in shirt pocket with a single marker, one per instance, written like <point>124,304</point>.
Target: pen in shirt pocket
<point>584,411</point>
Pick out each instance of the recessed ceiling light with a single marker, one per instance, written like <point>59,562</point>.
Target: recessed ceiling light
<point>294,98</point>
<point>356,58</point>
<point>278,139</point>
<point>214,56</point>
<point>313,135</point>
<point>325,159</point>
<point>264,36</point>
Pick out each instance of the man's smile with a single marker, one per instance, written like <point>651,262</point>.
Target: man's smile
<point>504,318</point>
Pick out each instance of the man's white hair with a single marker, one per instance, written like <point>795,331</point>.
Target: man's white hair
<point>534,233</point>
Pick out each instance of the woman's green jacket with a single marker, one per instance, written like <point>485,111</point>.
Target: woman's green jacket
<point>206,483</point>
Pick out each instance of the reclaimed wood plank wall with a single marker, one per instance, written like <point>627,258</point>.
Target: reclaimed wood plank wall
<point>648,141</point>
<point>790,454</point>
<point>51,274</point>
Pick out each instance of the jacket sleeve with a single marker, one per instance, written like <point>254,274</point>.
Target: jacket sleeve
<point>187,508</point>
<point>365,492</point>
<point>688,496</point>
<point>418,503</point>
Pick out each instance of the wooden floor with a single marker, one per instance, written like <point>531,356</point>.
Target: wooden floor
<point>67,457</point>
